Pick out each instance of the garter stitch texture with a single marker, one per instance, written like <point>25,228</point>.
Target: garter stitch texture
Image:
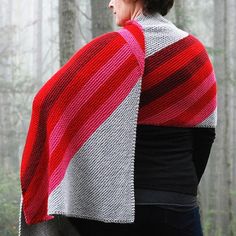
<point>179,86</point>
<point>78,158</point>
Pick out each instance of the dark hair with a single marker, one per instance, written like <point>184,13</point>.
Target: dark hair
<point>154,6</point>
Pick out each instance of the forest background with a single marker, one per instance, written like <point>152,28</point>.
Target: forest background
<point>37,37</point>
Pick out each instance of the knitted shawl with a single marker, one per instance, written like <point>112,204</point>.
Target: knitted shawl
<point>78,158</point>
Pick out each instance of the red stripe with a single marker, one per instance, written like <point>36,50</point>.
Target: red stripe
<point>175,80</point>
<point>80,80</point>
<point>36,215</point>
<point>32,201</point>
<point>164,55</point>
<point>191,112</point>
<point>205,113</point>
<point>176,94</point>
<point>167,67</point>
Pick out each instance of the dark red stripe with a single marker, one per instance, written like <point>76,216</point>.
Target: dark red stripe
<point>162,56</point>
<point>173,81</point>
<point>177,94</point>
<point>39,215</point>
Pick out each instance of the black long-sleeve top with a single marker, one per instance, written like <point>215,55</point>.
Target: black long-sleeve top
<point>169,164</point>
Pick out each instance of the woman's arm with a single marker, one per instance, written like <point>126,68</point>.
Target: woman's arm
<point>202,143</point>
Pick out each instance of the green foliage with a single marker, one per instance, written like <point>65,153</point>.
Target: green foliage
<point>207,222</point>
<point>233,193</point>
<point>233,226</point>
<point>207,225</point>
<point>9,203</point>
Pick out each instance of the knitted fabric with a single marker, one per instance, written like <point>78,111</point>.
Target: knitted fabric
<point>77,119</point>
<point>178,86</point>
<point>78,158</point>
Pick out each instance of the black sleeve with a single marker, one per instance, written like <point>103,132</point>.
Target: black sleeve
<point>203,139</point>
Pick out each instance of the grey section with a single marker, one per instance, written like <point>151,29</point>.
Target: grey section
<point>159,32</point>
<point>99,182</point>
<point>211,121</point>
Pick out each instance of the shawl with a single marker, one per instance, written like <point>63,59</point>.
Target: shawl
<point>78,115</point>
<point>78,158</point>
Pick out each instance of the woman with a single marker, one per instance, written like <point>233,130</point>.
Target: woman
<point>170,159</point>
<point>175,107</point>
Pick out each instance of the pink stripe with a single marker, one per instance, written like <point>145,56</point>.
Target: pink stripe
<point>182,105</point>
<point>134,46</point>
<point>203,114</point>
<point>89,89</point>
<point>92,124</point>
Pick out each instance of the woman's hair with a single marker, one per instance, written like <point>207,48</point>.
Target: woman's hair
<point>154,6</point>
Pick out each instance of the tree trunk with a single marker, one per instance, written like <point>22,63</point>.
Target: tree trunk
<point>102,20</point>
<point>38,42</point>
<point>67,21</point>
<point>180,14</point>
<point>224,140</point>
<point>228,106</point>
<point>84,23</point>
<point>219,65</point>
<point>234,98</point>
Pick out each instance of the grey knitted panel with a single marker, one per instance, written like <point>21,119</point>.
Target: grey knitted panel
<point>159,32</point>
<point>99,180</point>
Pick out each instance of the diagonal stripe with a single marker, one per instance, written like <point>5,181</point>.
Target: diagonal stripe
<point>204,113</point>
<point>175,80</point>
<point>81,78</point>
<point>96,102</point>
<point>165,54</point>
<point>37,134</point>
<point>87,129</point>
<point>32,205</point>
<point>91,106</point>
<point>179,92</point>
<point>211,120</point>
<point>134,46</point>
<point>166,68</point>
<point>180,106</point>
<point>189,115</point>
<point>87,91</point>
<point>137,31</point>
